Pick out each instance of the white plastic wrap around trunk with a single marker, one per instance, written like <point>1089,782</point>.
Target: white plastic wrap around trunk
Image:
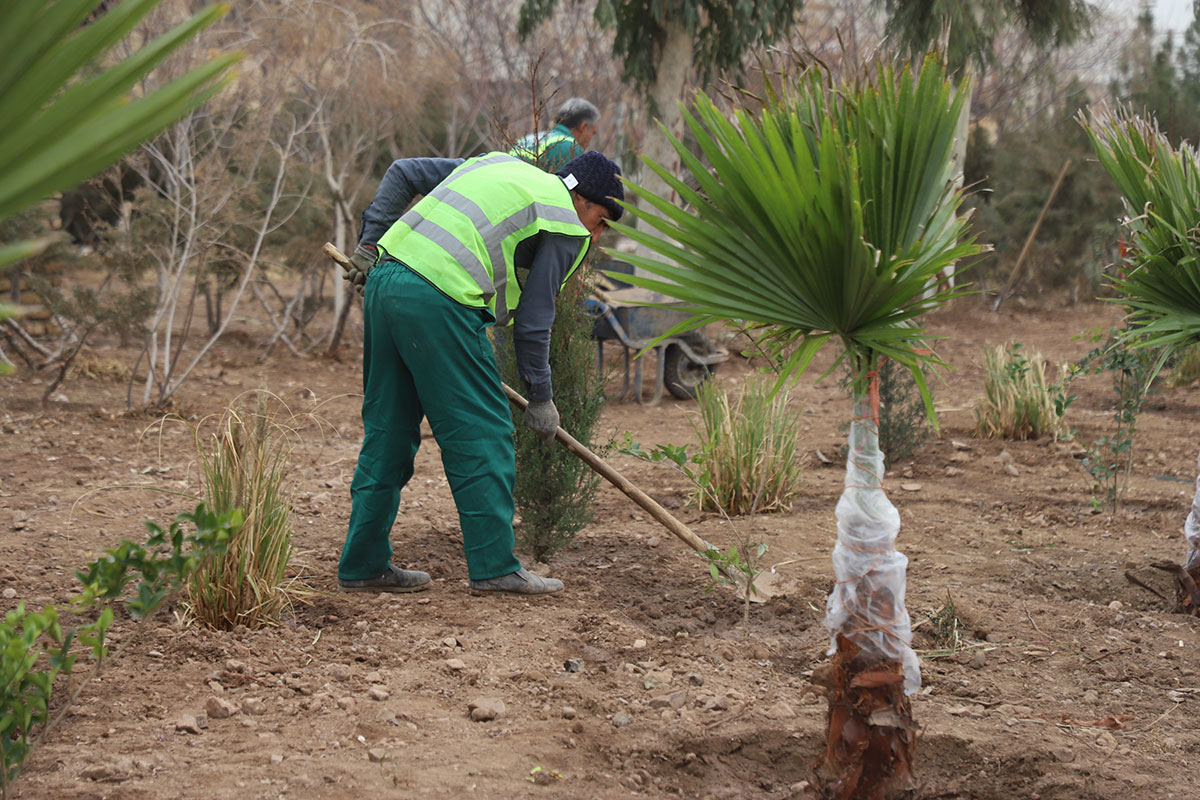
<point>1191,528</point>
<point>867,604</point>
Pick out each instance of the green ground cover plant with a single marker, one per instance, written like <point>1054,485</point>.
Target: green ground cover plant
<point>40,649</point>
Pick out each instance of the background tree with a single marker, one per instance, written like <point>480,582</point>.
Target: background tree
<point>1013,175</point>
<point>972,27</point>
<point>228,180</point>
<point>659,44</point>
<point>1162,81</point>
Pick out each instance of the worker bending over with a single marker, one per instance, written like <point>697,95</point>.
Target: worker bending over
<point>493,240</point>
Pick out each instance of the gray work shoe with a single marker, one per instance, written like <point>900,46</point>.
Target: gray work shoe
<point>394,580</point>
<point>520,582</point>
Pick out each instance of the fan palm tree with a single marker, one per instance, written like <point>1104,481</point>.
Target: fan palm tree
<point>1161,189</point>
<point>826,218</point>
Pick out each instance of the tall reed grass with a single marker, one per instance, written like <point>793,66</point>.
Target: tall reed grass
<point>1186,368</point>
<point>749,457</point>
<point>243,466</point>
<point>1018,403</point>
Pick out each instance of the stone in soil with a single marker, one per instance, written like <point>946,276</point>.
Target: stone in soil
<point>219,708</point>
<point>378,693</point>
<point>779,711</point>
<point>483,709</point>
<point>675,700</point>
<point>620,719</point>
<point>455,664</point>
<point>188,723</point>
<point>377,755</point>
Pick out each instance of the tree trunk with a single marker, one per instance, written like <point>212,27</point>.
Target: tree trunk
<point>674,66</point>
<point>871,733</point>
<point>341,298</point>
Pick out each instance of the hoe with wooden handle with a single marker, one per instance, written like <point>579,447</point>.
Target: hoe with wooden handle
<point>591,459</point>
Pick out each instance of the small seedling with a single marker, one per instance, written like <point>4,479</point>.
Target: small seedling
<point>731,567</point>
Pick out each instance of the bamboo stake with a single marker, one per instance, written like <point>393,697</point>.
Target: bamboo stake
<point>618,480</point>
<point>1012,278</point>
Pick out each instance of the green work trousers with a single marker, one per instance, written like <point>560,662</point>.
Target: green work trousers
<point>425,355</point>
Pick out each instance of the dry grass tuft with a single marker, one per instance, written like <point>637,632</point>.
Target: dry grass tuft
<point>748,450</point>
<point>244,467</point>
<point>1017,403</point>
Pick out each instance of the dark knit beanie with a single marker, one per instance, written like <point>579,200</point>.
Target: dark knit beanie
<point>597,179</point>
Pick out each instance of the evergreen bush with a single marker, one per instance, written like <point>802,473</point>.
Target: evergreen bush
<point>554,489</point>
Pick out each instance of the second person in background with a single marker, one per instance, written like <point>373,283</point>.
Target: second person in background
<point>574,127</point>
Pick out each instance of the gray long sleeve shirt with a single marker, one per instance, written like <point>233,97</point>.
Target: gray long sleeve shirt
<point>548,257</point>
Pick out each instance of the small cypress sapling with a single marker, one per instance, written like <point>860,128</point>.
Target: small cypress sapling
<point>555,490</point>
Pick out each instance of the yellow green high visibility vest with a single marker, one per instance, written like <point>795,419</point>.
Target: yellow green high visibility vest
<point>462,236</point>
<point>531,148</point>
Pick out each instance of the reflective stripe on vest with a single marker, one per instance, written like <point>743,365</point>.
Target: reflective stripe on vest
<point>523,151</point>
<point>463,235</point>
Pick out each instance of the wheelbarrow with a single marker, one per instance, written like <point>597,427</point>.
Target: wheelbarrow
<point>683,362</point>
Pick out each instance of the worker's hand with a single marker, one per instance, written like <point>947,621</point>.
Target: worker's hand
<point>363,260</point>
<point>542,418</point>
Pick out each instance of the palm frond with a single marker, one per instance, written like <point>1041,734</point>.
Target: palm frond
<point>828,215</point>
<point>61,119</point>
<point>1161,189</point>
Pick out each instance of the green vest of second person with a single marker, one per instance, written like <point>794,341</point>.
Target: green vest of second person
<point>462,236</point>
<point>534,146</point>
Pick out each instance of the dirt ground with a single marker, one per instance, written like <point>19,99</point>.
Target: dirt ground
<point>1070,682</point>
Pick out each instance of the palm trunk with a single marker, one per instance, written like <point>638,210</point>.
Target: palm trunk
<point>1185,594</point>
<point>871,733</point>
<point>1191,530</point>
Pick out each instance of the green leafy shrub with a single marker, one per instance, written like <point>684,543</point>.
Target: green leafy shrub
<point>748,459</point>
<point>554,490</point>
<point>1132,366</point>
<point>244,469</point>
<point>36,649</point>
<point>1018,403</point>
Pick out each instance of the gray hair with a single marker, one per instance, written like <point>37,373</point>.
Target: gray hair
<point>575,112</point>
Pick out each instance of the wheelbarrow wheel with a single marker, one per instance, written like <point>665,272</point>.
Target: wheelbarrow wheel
<point>681,375</point>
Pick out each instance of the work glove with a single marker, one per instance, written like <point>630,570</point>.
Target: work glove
<point>542,418</point>
<point>362,261</point>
